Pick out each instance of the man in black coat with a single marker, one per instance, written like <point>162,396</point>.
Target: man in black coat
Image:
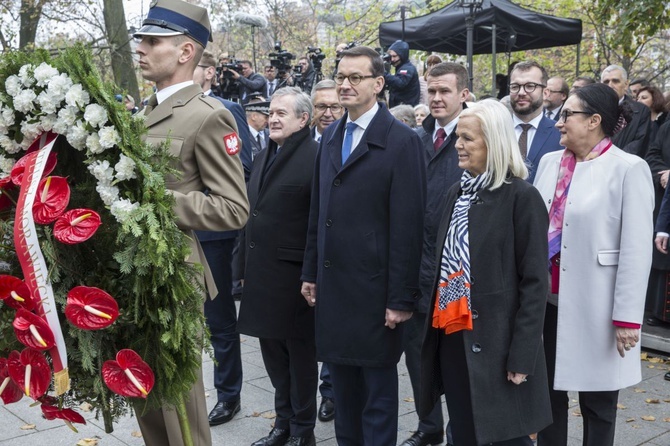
<point>272,307</point>
<point>404,87</point>
<point>447,93</point>
<point>249,80</point>
<point>634,138</point>
<point>363,250</point>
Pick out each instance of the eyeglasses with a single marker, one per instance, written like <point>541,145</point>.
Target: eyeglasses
<point>565,114</point>
<point>528,87</point>
<point>555,91</point>
<point>354,79</point>
<point>336,108</point>
<point>203,66</point>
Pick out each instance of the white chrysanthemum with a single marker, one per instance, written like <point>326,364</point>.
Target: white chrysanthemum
<point>77,97</point>
<point>48,102</point>
<point>66,118</point>
<point>4,124</point>
<point>95,115</point>
<point>93,144</point>
<point>125,168</point>
<point>6,164</point>
<point>30,131</point>
<point>59,86</point>
<point>102,171</point>
<point>108,194</point>
<point>43,73</point>
<point>9,145</point>
<point>23,102</point>
<point>48,122</point>
<point>8,116</point>
<point>77,135</point>
<point>109,137</point>
<point>26,75</point>
<point>122,209</point>
<point>13,85</point>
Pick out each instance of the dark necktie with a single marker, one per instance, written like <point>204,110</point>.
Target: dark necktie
<point>523,140</point>
<point>548,114</point>
<point>151,103</point>
<point>260,141</point>
<point>348,140</point>
<point>271,88</point>
<point>440,136</point>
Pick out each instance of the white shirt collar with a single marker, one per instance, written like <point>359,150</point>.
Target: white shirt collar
<point>448,129</point>
<point>317,135</point>
<point>535,122</point>
<point>172,89</point>
<point>364,120</point>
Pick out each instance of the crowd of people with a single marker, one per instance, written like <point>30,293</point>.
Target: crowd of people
<point>487,241</point>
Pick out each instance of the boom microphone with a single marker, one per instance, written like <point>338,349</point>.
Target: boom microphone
<point>251,20</point>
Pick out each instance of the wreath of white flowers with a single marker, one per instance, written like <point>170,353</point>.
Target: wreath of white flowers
<point>51,102</point>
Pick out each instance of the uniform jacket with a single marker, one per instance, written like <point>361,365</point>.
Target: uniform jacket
<point>364,240</point>
<point>442,172</point>
<point>273,244</point>
<point>404,87</point>
<point>658,158</point>
<point>605,262</point>
<point>508,295</point>
<point>547,139</point>
<point>634,138</point>
<point>195,126</point>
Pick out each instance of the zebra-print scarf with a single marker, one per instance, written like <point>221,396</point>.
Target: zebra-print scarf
<point>452,302</point>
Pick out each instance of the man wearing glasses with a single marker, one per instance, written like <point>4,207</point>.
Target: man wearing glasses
<point>327,108</point>
<point>361,267</point>
<point>554,96</point>
<point>536,133</point>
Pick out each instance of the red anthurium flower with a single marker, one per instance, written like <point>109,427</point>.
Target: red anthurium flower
<point>20,167</point>
<point>53,196</point>
<point>128,375</point>
<point>30,370</point>
<point>15,293</point>
<point>76,226</point>
<point>90,308</point>
<point>68,415</point>
<point>32,330</point>
<point>10,392</point>
<point>5,185</point>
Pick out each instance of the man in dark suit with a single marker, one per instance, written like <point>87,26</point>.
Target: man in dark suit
<point>363,250</point>
<point>537,134</point>
<point>220,313</point>
<point>250,81</point>
<point>271,78</point>
<point>555,94</point>
<point>273,243</point>
<point>210,193</point>
<point>447,88</point>
<point>634,138</point>
<point>257,120</point>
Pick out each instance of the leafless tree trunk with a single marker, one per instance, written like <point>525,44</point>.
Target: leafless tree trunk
<point>119,42</point>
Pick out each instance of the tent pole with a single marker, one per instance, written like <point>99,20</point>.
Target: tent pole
<point>470,26</point>
<point>493,60</point>
<point>579,50</point>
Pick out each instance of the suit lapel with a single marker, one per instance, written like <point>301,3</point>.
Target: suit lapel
<point>541,135</point>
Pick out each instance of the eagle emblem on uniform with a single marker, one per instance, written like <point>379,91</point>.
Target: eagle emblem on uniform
<point>232,143</point>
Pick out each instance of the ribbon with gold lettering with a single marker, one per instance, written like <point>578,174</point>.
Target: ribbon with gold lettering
<point>29,253</point>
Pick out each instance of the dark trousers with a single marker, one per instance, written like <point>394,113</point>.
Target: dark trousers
<point>221,316</point>
<point>367,405</point>
<point>598,408</point>
<point>292,368</point>
<point>456,382</point>
<point>326,386</point>
<point>412,338</point>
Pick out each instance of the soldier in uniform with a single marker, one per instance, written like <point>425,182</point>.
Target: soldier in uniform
<point>210,192</point>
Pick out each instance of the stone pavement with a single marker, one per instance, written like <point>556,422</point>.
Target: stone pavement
<point>650,398</point>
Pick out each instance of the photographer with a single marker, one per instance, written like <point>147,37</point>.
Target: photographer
<point>226,86</point>
<point>249,81</point>
<point>308,74</point>
<point>404,86</point>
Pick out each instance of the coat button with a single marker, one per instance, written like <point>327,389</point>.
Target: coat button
<point>326,264</point>
<point>475,315</point>
<point>337,182</point>
<point>255,213</point>
<point>252,245</point>
<point>329,223</point>
<point>476,348</point>
<point>472,280</point>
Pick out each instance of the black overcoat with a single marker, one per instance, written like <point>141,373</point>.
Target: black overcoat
<point>658,158</point>
<point>364,241</point>
<point>508,259</point>
<point>274,241</point>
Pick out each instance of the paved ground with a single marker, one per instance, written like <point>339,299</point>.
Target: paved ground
<point>650,398</point>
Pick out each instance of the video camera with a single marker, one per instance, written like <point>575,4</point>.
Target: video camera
<point>316,56</point>
<point>228,86</point>
<point>281,59</point>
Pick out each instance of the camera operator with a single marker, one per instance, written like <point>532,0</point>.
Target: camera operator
<point>249,81</point>
<point>226,86</point>
<point>404,86</point>
<point>307,73</point>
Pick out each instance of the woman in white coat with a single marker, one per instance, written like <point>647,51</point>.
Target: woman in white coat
<point>600,201</point>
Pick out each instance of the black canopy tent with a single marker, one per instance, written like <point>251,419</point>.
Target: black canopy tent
<point>498,25</point>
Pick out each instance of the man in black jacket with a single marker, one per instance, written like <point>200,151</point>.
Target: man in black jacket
<point>404,84</point>
<point>249,81</point>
